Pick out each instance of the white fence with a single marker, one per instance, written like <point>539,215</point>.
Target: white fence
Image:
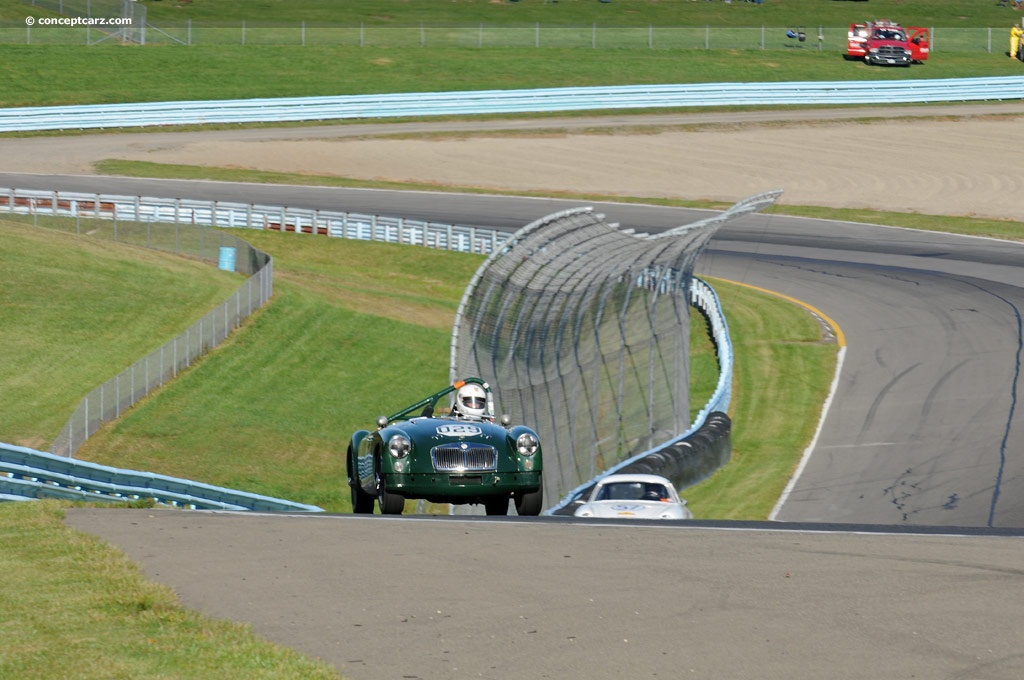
<point>149,209</point>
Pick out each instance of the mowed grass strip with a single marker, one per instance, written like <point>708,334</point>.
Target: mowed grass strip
<point>583,12</point>
<point>74,607</point>
<point>78,310</point>
<point>782,375</point>
<point>166,73</point>
<point>526,13</point>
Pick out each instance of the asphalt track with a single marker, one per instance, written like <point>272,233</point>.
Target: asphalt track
<point>923,431</point>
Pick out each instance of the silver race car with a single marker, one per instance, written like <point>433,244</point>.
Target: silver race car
<point>635,497</point>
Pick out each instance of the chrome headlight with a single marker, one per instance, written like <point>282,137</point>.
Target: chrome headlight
<point>527,444</point>
<point>399,446</point>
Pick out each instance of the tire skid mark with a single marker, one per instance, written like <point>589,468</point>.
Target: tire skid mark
<point>870,417</point>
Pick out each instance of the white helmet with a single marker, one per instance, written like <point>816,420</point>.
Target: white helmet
<point>471,400</point>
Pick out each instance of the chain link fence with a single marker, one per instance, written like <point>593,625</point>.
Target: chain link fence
<point>539,36</point>
<point>583,328</point>
<point>108,401</point>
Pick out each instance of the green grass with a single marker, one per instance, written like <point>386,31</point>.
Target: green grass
<point>391,13</point>
<point>780,359</point>
<point>200,73</point>
<point>352,328</point>
<point>352,325</point>
<point>76,311</point>
<point>76,608</point>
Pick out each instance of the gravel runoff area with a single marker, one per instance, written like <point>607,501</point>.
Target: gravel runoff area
<point>961,159</point>
<point>458,598</point>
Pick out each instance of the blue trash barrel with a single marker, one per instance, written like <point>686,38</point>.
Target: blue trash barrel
<point>227,258</point>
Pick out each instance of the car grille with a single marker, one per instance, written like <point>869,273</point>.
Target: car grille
<point>462,457</point>
<point>892,52</point>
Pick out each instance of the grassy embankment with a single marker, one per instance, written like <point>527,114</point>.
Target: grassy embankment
<point>273,63</point>
<point>74,308</point>
<point>351,324</point>
<point>45,567</point>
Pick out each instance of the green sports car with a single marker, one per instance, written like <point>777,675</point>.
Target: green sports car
<point>455,454</point>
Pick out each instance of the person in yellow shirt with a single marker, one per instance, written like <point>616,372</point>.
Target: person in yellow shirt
<point>1015,37</point>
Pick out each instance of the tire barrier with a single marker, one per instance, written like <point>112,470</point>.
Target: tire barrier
<point>685,462</point>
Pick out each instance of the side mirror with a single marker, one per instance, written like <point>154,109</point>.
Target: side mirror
<point>382,422</point>
<point>505,420</point>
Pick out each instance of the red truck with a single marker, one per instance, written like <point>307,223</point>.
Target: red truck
<point>887,43</point>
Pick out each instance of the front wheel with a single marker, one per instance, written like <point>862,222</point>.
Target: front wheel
<point>362,502</point>
<point>390,504</point>
<point>530,504</point>
<point>497,505</point>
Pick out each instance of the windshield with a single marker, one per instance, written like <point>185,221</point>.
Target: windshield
<point>633,491</point>
<point>888,35</point>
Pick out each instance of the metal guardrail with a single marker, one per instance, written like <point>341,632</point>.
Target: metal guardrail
<point>147,209</point>
<point>147,114</point>
<point>28,474</point>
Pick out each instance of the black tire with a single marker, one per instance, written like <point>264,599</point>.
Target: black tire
<point>530,504</point>
<point>496,505</point>
<point>390,504</point>
<point>362,502</point>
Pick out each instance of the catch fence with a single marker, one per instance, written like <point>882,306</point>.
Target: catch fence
<point>478,36</point>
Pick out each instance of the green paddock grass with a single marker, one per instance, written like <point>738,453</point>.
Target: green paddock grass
<point>76,311</point>
<point>391,13</point>
<point>76,608</point>
<point>116,74</point>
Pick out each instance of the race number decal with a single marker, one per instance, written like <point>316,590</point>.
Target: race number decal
<point>459,430</point>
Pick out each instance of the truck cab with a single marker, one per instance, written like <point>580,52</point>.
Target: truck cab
<point>887,43</point>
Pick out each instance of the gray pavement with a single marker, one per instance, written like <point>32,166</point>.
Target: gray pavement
<point>388,598</point>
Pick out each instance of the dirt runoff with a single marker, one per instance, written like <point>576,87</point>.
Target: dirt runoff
<point>951,160</point>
